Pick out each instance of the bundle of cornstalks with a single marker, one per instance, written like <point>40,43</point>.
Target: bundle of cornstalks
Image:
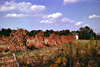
<point>36,42</point>
<point>39,41</point>
<point>17,41</point>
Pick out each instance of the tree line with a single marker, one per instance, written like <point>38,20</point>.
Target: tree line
<point>83,32</point>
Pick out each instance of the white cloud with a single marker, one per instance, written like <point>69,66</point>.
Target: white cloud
<point>55,17</point>
<point>86,25</point>
<point>17,15</point>
<point>51,18</point>
<point>8,6</point>
<point>67,20</point>
<point>78,23</point>
<point>22,8</point>
<point>93,16</point>
<point>46,21</point>
<point>71,1</point>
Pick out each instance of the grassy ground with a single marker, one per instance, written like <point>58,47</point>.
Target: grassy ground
<point>45,51</point>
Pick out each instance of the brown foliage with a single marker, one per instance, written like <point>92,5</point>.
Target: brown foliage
<point>39,41</point>
<point>16,41</point>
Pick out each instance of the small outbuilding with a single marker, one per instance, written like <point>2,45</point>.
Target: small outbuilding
<point>76,35</point>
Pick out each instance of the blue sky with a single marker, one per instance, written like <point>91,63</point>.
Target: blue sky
<point>50,14</point>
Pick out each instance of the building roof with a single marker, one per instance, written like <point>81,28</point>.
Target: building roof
<point>74,33</point>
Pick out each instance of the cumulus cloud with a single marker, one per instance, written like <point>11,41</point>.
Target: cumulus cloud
<point>17,15</point>
<point>8,6</point>
<point>55,17</point>
<point>22,8</point>
<point>67,20</point>
<point>93,16</point>
<point>47,21</point>
<point>51,18</point>
<point>86,25</point>
<point>71,1</point>
<point>78,23</point>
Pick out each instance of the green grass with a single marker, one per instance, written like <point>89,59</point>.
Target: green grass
<point>46,50</point>
<point>3,44</point>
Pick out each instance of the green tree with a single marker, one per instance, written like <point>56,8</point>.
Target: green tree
<point>85,32</point>
<point>47,33</point>
<point>64,32</point>
<point>5,32</point>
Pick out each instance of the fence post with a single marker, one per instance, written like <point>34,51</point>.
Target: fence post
<point>70,60</point>
<point>15,59</point>
<point>96,39</point>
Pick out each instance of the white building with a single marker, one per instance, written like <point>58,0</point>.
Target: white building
<point>76,35</point>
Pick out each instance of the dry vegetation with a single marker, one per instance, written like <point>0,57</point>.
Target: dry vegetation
<point>67,53</point>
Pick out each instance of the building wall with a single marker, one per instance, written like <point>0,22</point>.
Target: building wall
<point>76,37</point>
